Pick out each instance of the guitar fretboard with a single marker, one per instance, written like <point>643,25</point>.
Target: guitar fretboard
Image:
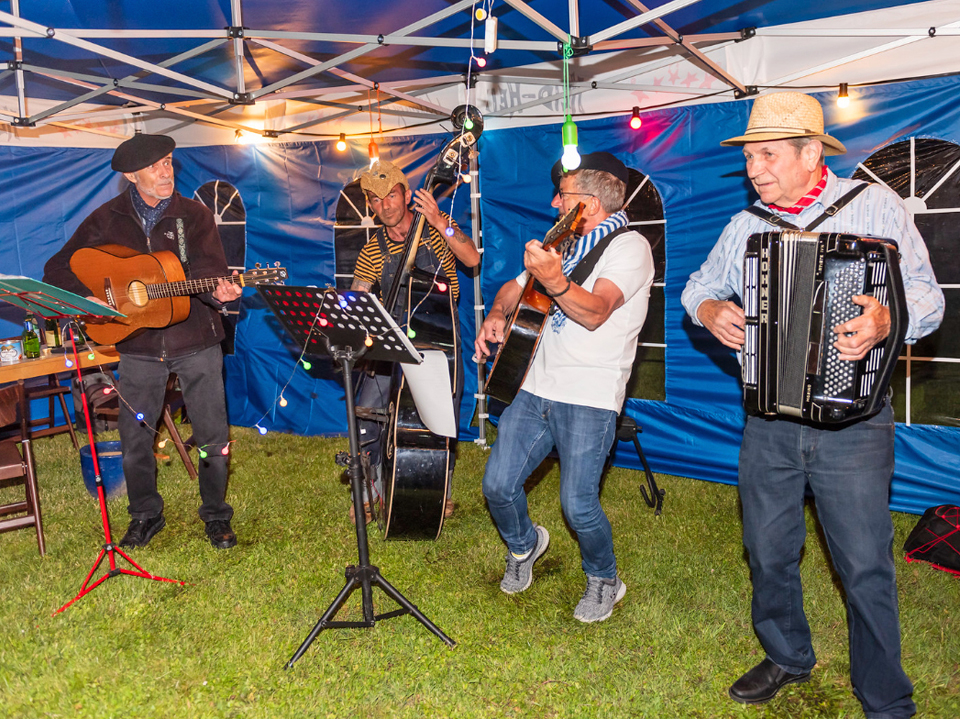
<point>190,287</point>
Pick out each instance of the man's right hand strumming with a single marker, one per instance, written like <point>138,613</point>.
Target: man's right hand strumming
<point>725,320</point>
<point>490,331</point>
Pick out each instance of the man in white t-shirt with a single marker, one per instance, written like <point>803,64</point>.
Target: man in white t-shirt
<point>575,388</point>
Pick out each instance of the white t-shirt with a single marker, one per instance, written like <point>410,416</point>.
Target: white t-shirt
<point>591,368</point>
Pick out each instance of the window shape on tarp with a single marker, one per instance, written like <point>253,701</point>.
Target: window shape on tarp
<point>223,200</point>
<point>355,224</point>
<point>645,212</point>
<point>926,174</point>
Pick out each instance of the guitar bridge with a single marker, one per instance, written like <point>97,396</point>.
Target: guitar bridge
<point>108,291</point>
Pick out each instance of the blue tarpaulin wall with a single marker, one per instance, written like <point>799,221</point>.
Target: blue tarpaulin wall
<point>291,190</point>
<point>697,431</point>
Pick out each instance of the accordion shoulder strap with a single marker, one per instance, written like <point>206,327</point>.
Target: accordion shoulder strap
<point>771,218</point>
<point>838,205</point>
<point>778,221</point>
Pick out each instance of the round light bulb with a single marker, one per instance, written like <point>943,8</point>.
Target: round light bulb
<point>203,454</point>
<point>411,334</point>
<point>306,365</point>
<point>481,62</point>
<point>843,102</point>
<point>283,401</point>
<point>570,159</point>
<point>480,14</point>
<point>449,231</point>
<point>139,416</point>
<point>368,341</point>
<point>342,142</point>
<point>468,124</point>
<point>226,449</point>
<point>162,443</point>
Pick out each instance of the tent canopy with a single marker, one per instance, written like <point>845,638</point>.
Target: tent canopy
<point>84,73</point>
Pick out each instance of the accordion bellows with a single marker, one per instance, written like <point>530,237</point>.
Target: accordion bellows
<point>797,287</point>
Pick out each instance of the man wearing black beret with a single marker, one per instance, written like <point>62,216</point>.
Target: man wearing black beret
<point>576,382</point>
<point>148,216</point>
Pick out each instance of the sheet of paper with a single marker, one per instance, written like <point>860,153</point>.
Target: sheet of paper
<point>429,384</point>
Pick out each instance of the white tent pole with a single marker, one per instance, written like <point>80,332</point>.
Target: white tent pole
<point>339,60</point>
<point>65,37</point>
<point>363,82</point>
<point>854,57</point>
<point>18,59</point>
<point>478,307</point>
<point>711,67</point>
<point>574,14</point>
<point>639,20</point>
<point>129,81</point>
<point>236,14</point>
<point>539,19</point>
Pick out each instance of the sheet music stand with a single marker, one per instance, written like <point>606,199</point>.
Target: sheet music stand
<point>51,303</point>
<point>347,326</point>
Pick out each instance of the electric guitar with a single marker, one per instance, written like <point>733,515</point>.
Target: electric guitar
<point>150,289</point>
<point>521,335</point>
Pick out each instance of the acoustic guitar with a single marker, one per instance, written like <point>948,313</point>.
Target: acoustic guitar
<point>521,335</point>
<point>150,289</point>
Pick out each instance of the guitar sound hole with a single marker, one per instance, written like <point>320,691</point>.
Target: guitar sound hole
<point>137,293</point>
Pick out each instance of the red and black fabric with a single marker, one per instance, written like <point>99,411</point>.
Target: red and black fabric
<point>936,539</point>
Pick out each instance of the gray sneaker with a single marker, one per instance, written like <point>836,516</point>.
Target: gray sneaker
<point>597,601</point>
<point>519,573</point>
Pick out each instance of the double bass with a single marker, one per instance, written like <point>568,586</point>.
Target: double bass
<point>417,464</point>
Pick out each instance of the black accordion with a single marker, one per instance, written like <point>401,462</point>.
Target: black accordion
<point>798,286</point>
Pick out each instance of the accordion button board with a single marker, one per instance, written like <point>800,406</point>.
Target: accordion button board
<point>798,286</point>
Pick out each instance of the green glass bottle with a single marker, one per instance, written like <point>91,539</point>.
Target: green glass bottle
<point>31,340</point>
<point>51,333</point>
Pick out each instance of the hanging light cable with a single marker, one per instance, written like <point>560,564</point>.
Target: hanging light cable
<point>571,155</point>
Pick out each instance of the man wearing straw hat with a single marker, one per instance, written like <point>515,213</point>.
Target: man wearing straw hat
<point>849,468</point>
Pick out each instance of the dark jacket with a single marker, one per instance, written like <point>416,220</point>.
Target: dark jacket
<point>117,223</point>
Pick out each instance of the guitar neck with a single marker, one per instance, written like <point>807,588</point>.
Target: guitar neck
<point>191,287</point>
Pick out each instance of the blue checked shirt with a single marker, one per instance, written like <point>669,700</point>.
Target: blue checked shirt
<point>877,211</point>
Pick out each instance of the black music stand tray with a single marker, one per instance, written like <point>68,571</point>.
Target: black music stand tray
<point>49,302</point>
<point>347,326</point>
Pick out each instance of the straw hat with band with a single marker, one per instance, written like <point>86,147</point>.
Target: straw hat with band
<point>782,115</point>
<point>381,178</point>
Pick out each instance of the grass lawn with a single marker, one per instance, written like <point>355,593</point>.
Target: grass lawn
<point>217,647</point>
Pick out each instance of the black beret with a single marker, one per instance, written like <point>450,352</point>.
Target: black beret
<point>602,161</point>
<point>141,151</point>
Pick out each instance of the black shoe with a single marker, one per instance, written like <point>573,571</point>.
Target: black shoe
<point>141,531</point>
<point>761,684</point>
<point>220,534</point>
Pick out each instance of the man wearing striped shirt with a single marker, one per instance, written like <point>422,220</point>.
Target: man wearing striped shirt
<point>443,244</point>
<point>848,467</point>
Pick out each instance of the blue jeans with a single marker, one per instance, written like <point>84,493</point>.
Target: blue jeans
<point>849,471</point>
<point>529,428</point>
<point>143,382</point>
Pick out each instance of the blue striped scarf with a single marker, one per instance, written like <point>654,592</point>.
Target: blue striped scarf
<point>578,250</point>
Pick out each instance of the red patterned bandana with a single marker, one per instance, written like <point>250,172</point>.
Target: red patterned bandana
<point>808,199</point>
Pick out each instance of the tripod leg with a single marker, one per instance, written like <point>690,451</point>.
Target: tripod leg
<point>352,582</point>
<point>656,494</point>
<point>409,606</point>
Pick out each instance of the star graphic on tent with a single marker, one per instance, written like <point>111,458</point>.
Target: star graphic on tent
<point>674,75</point>
<point>707,81</point>
<point>690,79</point>
<point>658,81</point>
